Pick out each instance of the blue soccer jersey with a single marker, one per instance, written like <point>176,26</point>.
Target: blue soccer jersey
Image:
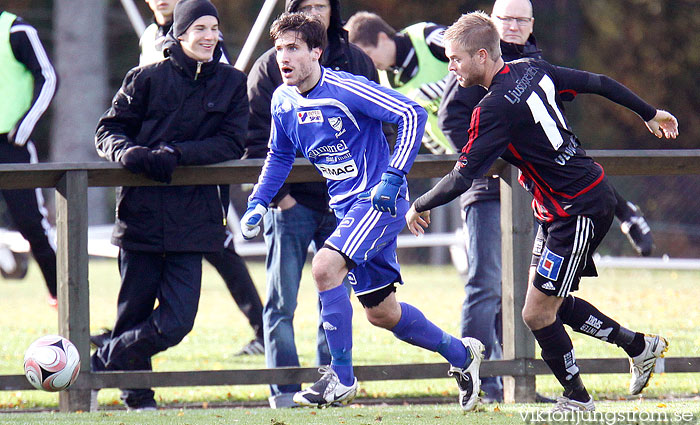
<point>338,127</point>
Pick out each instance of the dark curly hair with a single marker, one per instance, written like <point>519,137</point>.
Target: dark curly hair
<point>310,28</point>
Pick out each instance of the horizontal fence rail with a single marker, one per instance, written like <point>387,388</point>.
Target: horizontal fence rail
<point>71,182</point>
<point>293,375</point>
<point>105,174</point>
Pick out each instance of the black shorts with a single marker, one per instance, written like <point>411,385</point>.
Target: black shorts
<point>563,252</point>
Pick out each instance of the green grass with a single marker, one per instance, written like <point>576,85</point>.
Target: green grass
<point>651,301</point>
<point>676,412</point>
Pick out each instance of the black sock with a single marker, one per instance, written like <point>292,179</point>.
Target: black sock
<point>636,346</point>
<point>558,353</point>
<point>584,318</point>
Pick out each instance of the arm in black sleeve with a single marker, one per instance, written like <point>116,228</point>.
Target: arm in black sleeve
<point>28,50</point>
<point>454,114</point>
<point>588,82</point>
<point>489,137</point>
<point>447,189</point>
<point>263,79</point>
<point>434,37</point>
<point>120,125</point>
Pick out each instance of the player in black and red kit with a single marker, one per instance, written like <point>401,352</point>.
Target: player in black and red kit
<point>520,119</point>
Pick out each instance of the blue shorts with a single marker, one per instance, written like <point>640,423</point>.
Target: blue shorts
<point>368,238</point>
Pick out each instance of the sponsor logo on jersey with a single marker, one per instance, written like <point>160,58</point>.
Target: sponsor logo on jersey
<point>338,148</point>
<point>308,117</point>
<point>521,84</point>
<point>569,151</point>
<point>340,171</point>
<point>352,279</point>
<point>550,264</point>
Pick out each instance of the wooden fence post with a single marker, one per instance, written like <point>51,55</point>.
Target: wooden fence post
<point>516,251</point>
<point>72,269</point>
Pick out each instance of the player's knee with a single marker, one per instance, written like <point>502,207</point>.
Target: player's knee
<point>537,317</point>
<point>530,318</point>
<point>327,269</point>
<point>380,318</point>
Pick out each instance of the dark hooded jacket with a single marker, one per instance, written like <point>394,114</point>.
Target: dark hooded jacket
<point>264,77</point>
<point>202,114</point>
<point>454,117</point>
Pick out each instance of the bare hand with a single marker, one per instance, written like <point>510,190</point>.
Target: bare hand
<point>417,221</point>
<point>663,125</point>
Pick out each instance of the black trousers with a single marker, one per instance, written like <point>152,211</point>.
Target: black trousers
<point>233,270</point>
<point>27,212</point>
<point>140,331</point>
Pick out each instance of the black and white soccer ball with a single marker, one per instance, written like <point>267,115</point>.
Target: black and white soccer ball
<point>51,363</point>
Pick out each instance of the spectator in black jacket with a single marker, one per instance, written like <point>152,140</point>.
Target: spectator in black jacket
<point>227,262</point>
<point>189,109</point>
<point>300,215</point>
<point>27,85</point>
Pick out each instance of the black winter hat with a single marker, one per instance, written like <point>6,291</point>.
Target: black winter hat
<point>188,11</point>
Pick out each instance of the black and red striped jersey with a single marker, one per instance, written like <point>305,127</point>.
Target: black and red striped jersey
<point>521,120</point>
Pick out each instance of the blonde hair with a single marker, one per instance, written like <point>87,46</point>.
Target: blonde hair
<point>475,31</point>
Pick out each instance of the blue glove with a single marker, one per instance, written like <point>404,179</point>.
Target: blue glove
<point>251,220</point>
<point>384,194</point>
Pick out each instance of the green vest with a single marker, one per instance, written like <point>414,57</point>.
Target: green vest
<point>430,70</point>
<point>16,82</point>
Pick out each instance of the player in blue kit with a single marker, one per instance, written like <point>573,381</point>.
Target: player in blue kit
<point>335,120</point>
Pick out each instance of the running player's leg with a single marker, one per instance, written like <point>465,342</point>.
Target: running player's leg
<point>370,244</point>
<point>338,383</point>
<point>562,250</point>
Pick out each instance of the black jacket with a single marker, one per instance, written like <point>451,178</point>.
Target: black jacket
<point>204,116</point>
<point>454,117</point>
<point>264,77</point>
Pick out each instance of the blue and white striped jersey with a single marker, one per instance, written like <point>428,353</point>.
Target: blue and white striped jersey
<point>338,127</point>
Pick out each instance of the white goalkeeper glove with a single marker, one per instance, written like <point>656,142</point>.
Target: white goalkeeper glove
<point>252,219</point>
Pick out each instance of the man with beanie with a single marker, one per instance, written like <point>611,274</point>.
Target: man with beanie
<point>27,85</point>
<point>188,109</point>
<point>300,216</point>
<point>227,262</point>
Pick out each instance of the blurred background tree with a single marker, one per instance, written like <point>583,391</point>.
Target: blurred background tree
<point>652,46</point>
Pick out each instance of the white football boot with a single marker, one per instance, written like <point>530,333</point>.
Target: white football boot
<point>642,366</point>
<point>468,378</point>
<point>565,404</point>
<point>326,391</point>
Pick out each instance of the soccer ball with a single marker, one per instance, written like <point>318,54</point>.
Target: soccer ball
<point>51,363</point>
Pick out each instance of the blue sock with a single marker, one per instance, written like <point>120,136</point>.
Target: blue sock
<point>415,329</point>
<point>336,312</point>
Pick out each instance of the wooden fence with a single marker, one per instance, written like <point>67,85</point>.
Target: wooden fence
<point>519,366</point>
